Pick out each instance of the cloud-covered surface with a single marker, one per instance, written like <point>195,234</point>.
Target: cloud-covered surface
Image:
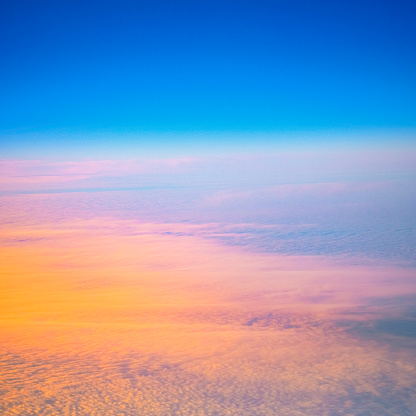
<point>170,264</point>
<point>202,370</point>
<point>243,285</point>
<point>275,166</point>
<point>356,219</point>
<point>109,316</point>
<point>319,201</point>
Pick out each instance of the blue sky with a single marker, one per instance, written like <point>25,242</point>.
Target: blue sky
<point>151,71</point>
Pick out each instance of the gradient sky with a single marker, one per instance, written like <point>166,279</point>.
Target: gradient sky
<point>207,208</point>
<point>169,73</point>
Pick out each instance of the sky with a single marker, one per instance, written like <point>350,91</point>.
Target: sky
<point>207,208</point>
<point>178,73</point>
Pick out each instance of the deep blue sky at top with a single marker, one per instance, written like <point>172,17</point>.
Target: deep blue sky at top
<point>205,66</point>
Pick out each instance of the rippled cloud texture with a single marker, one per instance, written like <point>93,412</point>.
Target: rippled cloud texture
<point>244,285</point>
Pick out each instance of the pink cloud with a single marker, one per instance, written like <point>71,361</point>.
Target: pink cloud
<point>186,268</point>
<point>16,174</point>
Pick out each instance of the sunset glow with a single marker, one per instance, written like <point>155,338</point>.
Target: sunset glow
<point>107,308</point>
<point>207,208</point>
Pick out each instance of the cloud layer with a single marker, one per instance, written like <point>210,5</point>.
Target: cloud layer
<point>279,284</point>
<point>119,317</point>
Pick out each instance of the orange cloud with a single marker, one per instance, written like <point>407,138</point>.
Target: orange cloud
<point>91,269</point>
<point>118,317</point>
